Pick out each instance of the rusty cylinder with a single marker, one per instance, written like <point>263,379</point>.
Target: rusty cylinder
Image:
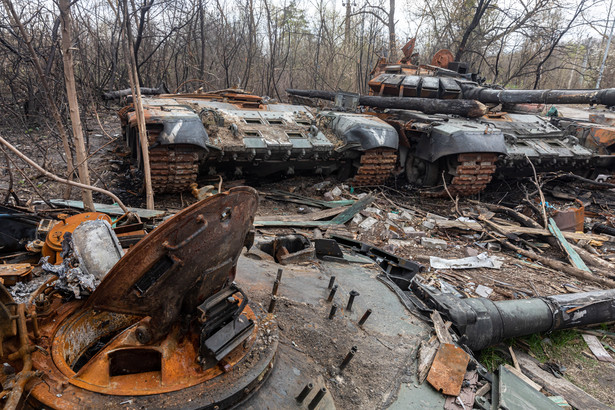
<point>272,304</point>
<point>365,316</point>
<point>304,393</point>
<point>348,358</point>
<point>316,400</point>
<point>332,293</point>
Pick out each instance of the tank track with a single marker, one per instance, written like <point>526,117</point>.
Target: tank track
<point>376,167</point>
<point>474,171</point>
<point>173,169</point>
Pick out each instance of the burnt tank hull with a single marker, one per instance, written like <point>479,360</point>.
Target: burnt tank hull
<point>241,135</point>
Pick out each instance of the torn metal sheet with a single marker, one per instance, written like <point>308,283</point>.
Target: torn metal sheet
<point>342,218</point>
<point>482,260</point>
<point>96,247</point>
<point>448,369</point>
<point>514,393</point>
<point>185,259</point>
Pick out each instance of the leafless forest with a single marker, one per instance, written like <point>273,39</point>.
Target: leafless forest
<point>265,46</point>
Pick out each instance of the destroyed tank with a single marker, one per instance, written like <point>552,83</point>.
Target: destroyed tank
<point>452,126</point>
<point>240,135</point>
<point>502,140</point>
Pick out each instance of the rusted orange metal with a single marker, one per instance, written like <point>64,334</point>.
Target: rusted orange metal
<point>448,369</point>
<point>124,366</point>
<point>442,58</point>
<point>376,167</point>
<point>15,272</point>
<point>92,354</point>
<point>571,219</point>
<point>53,241</point>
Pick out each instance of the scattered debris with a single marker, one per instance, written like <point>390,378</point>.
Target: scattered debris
<point>597,349</point>
<point>479,261</point>
<point>434,243</point>
<point>558,386</point>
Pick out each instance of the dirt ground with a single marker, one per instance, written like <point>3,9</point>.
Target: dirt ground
<point>519,277</point>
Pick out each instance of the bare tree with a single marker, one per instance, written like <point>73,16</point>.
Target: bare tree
<point>71,93</point>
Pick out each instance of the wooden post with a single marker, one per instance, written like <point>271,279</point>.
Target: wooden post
<point>73,104</point>
<point>136,93</point>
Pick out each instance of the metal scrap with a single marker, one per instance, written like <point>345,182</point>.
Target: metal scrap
<point>448,369</point>
<point>479,261</point>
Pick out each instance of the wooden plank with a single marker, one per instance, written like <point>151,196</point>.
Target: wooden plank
<point>304,200</point>
<point>475,226</point>
<point>519,374</point>
<point>441,330</point>
<point>112,209</point>
<point>560,387</point>
<point>354,209</point>
<point>514,358</point>
<point>339,220</point>
<point>427,352</point>
<point>312,216</point>
<point>572,255</point>
<point>597,349</point>
<point>294,224</point>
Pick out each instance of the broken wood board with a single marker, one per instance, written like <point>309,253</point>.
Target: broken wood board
<point>448,369</point>
<point>440,327</point>
<point>560,387</point>
<point>597,349</point>
<point>312,216</point>
<point>112,209</point>
<point>475,226</point>
<point>523,377</point>
<point>427,352</point>
<point>304,200</point>
<point>572,255</point>
<point>343,217</point>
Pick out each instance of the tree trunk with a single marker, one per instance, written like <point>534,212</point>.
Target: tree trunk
<point>73,104</point>
<point>392,39</point>
<point>481,7</point>
<point>52,105</point>
<point>136,95</point>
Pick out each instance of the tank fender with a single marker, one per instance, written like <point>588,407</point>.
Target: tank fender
<point>183,127</point>
<point>184,131</point>
<point>447,140</point>
<point>366,130</point>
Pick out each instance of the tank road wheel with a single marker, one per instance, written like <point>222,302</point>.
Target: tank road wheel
<point>376,166</point>
<point>420,172</point>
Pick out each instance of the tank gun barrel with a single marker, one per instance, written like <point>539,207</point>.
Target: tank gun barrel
<point>492,96</point>
<point>462,107</point>
<point>482,322</point>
